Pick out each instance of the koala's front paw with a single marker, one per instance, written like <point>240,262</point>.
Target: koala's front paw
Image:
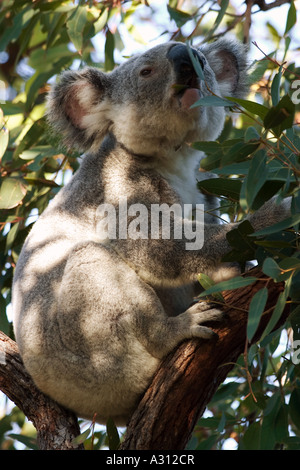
<point>270,213</point>
<point>203,312</point>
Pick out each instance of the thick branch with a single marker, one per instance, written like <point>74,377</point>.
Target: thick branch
<point>188,378</point>
<point>56,427</point>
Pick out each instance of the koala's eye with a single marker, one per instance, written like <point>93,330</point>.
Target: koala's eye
<point>146,72</point>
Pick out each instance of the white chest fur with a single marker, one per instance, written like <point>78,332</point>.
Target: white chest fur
<point>180,170</point>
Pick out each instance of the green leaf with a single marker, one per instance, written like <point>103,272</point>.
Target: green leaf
<point>281,116</point>
<point>291,18</point>
<point>31,154</point>
<point>196,63</point>
<point>239,168</point>
<point>275,87</point>
<point>54,29</point>
<point>234,283</point>
<point>75,26</point>
<point>280,306</point>
<point>28,441</point>
<point>252,436</point>
<point>243,246</point>
<point>254,181</point>
<point>252,107</point>
<point>212,100</point>
<point>281,423</point>
<point>268,438</point>
<point>43,60</point>
<point>206,282</point>
<point>256,309</point>
<point>239,152</point>
<point>294,407</point>
<point>180,17</point>
<point>224,5</point>
<point>82,437</point>
<point>271,268</point>
<point>4,323</point>
<point>268,190</point>
<point>12,191</point>
<point>251,134</point>
<point>109,51</point>
<point>229,188</point>
<point>208,147</point>
<point>101,21</point>
<point>11,236</point>
<point>39,79</point>
<point>112,435</point>
<point>20,21</point>
<point>4,138</point>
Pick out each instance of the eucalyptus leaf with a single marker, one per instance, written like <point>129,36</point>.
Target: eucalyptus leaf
<point>229,188</point>
<point>257,176</point>
<point>12,191</point>
<point>112,435</point>
<point>180,17</point>
<point>271,268</point>
<point>275,87</point>
<point>281,116</point>
<point>206,282</point>
<point>4,138</point>
<point>256,309</point>
<point>291,17</point>
<point>20,20</point>
<point>196,63</point>
<point>294,408</point>
<point>277,312</point>
<point>75,26</point>
<point>234,283</point>
<point>109,51</point>
<point>212,100</point>
<point>252,107</point>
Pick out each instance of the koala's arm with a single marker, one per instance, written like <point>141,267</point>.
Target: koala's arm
<point>168,262</point>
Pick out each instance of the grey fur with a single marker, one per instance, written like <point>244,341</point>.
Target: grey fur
<point>93,319</point>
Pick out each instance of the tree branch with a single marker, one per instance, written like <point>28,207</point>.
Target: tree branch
<point>263,6</point>
<point>188,377</point>
<point>56,427</point>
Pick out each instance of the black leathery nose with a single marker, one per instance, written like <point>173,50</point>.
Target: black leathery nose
<point>180,58</point>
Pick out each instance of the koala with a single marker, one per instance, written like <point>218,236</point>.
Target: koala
<point>95,314</point>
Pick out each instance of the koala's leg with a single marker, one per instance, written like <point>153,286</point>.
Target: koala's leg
<point>105,308</point>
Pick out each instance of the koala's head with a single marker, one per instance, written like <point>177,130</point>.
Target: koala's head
<point>146,101</point>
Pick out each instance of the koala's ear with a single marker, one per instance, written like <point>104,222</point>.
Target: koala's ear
<point>228,60</point>
<point>77,108</point>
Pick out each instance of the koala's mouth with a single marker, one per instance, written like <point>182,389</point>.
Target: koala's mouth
<point>187,94</point>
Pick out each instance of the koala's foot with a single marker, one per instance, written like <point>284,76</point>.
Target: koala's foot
<point>203,312</point>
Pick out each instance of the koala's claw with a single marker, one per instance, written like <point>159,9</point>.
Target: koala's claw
<point>204,332</point>
<point>206,312</point>
<point>203,312</point>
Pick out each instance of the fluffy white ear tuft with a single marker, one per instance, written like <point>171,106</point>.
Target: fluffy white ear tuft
<point>228,60</point>
<point>77,108</point>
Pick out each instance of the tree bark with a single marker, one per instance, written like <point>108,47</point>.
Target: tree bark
<point>189,376</point>
<point>180,390</point>
<point>56,427</point>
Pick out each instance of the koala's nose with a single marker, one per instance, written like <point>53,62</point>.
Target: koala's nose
<point>180,59</point>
